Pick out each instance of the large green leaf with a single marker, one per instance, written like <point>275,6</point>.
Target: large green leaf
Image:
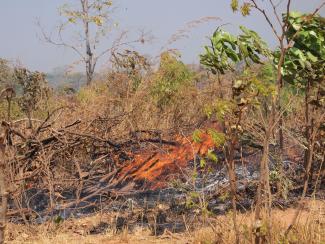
<point>226,50</point>
<point>305,60</point>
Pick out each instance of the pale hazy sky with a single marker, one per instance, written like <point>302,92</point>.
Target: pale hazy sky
<point>20,40</point>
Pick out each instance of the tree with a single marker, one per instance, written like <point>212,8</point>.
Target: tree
<point>286,34</point>
<point>224,53</point>
<point>93,13</point>
<point>304,67</point>
<point>93,18</point>
<point>7,78</point>
<point>5,72</point>
<point>33,85</point>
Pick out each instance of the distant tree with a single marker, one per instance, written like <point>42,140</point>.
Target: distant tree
<point>93,13</point>
<point>94,19</point>
<point>61,77</point>
<point>6,74</point>
<point>33,85</point>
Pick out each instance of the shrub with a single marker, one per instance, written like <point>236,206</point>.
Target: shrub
<point>171,76</point>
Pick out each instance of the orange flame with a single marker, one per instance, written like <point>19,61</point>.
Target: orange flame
<point>155,169</point>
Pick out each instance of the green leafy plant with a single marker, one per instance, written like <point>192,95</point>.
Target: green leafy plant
<point>299,43</point>
<point>197,136</point>
<point>306,58</point>
<point>171,76</point>
<point>227,50</point>
<point>304,67</point>
<point>33,85</point>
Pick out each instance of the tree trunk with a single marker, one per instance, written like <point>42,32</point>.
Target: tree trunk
<point>3,191</point>
<point>309,152</point>
<point>280,157</point>
<point>233,185</point>
<point>90,57</point>
<point>263,190</point>
<point>307,125</point>
<point>278,107</point>
<point>263,194</point>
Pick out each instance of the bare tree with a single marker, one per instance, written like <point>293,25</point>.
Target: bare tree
<point>93,18</point>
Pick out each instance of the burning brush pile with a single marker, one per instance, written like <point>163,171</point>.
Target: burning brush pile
<point>71,171</point>
<point>62,166</point>
<point>50,168</point>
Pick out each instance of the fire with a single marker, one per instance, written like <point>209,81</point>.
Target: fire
<point>153,170</point>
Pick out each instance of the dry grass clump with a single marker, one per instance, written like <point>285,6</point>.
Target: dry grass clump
<point>138,110</point>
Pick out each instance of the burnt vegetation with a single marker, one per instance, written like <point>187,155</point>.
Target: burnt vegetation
<point>170,146</point>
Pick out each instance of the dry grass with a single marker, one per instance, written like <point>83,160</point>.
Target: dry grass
<point>310,229</point>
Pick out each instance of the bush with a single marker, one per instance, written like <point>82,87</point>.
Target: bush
<point>171,76</point>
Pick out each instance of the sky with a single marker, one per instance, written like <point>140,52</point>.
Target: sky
<point>21,39</point>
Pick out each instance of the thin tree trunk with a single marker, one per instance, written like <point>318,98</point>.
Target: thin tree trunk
<point>307,125</point>
<point>263,191</point>
<point>3,191</point>
<point>281,137</point>
<point>310,140</point>
<point>308,157</point>
<point>233,185</point>
<point>229,152</point>
<point>279,166</point>
<point>90,58</point>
